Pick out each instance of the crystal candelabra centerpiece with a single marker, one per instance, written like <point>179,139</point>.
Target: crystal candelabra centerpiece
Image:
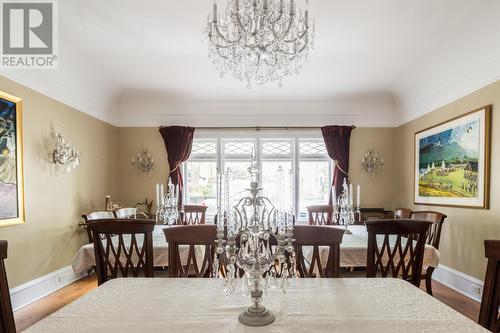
<point>167,211</point>
<point>259,40</point>
<point>344,211</point>
<point>256,239</point>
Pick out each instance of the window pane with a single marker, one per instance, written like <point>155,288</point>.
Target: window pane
<point>281,199</point>
<point>238,148</point>
<point>240,180</point>
<point>201,188</point>
<point>276,148</point>
<point>312,148</point>
<point>204,148</point>
<point>314,184</point>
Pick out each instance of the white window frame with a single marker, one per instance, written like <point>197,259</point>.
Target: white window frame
<point>257,137</point>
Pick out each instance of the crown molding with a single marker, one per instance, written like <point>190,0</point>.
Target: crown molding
<point>91,107</point>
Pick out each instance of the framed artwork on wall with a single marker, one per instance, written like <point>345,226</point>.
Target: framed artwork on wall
<point>11,161</point>
<point>452,162</point>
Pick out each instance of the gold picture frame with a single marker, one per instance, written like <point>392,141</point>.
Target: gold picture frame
<point>11,114</point>
<point>452,162</point>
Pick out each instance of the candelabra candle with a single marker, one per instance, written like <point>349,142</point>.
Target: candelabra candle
<point>253,226</point>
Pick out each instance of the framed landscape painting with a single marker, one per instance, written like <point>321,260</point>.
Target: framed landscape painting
<point>11,160</point>
<point>452,162</point>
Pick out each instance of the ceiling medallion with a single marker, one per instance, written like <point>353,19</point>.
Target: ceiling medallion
<point>260,41</point>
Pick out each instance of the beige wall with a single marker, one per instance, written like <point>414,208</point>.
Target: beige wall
<point>55,199</point>
<point>377,191</point>
<point>465,229</point>
<point>133,187</point>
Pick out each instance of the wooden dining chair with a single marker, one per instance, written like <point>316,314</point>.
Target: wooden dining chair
<point>316,237</point>
<point>96,216</point>
<point>320,214</point>
<point>488,313</point>
<point>402,213</point>
<point>193,214</point>
<point>195,238</point>
<point>122,247</point>
<point>400,256</point>
<point>126,213</point>
<point>7,324</point>
<point>433,237</point>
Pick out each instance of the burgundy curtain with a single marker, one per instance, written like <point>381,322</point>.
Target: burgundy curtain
<point>337,140</point>
<point>178,141</point>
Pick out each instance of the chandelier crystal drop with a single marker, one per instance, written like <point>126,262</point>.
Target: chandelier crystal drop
<point>260,41</point>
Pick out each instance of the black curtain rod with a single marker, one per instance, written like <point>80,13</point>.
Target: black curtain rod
<point>258,128</point>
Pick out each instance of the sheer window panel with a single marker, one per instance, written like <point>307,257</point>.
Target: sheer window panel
<point>314,184</point>
<point>201,184</point>
<point>240,179</point>
<point>269,182</point>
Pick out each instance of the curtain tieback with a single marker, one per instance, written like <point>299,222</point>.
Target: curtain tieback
<point>341,170</point>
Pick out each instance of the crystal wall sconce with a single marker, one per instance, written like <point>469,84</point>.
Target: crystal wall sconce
<point>143,161</point>
<point>372,162</point>
<point>65,153</point>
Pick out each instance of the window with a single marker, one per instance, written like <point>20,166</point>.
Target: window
<point>302,163</point>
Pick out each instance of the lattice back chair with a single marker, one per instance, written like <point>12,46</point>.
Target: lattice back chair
<point>7,323</point>
<point>437,219</point>
<point>96,216</point>
<point>126,213</point>
<point>396,248</point>
<point>193,214</point>
<point>488,313</point>
<point>433,237</point>
<point>122,247</point>
<point>191,250</point>
<point>320,215</point>
<point>318,237</point>
<point>402,213</point>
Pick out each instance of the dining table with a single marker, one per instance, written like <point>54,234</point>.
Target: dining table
<point>353,251</point>
<point>356,305</point>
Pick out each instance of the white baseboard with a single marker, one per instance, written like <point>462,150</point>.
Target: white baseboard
<point>33,290</point>
<point>461,282</point>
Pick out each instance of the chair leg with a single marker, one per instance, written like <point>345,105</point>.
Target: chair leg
<point>428,280</point>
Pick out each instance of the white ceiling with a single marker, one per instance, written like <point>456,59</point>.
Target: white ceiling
<point>376,63</point>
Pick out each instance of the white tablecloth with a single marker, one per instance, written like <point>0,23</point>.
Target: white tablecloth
<point>311,305</point>
<point>352,251</point>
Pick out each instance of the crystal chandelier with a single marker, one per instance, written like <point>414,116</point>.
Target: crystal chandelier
<point>260,41</point>
<point>257,239</point>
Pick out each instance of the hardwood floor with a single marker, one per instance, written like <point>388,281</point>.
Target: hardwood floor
<point>456,300</point>
<point>40,309</point>
<point>36,311</point>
